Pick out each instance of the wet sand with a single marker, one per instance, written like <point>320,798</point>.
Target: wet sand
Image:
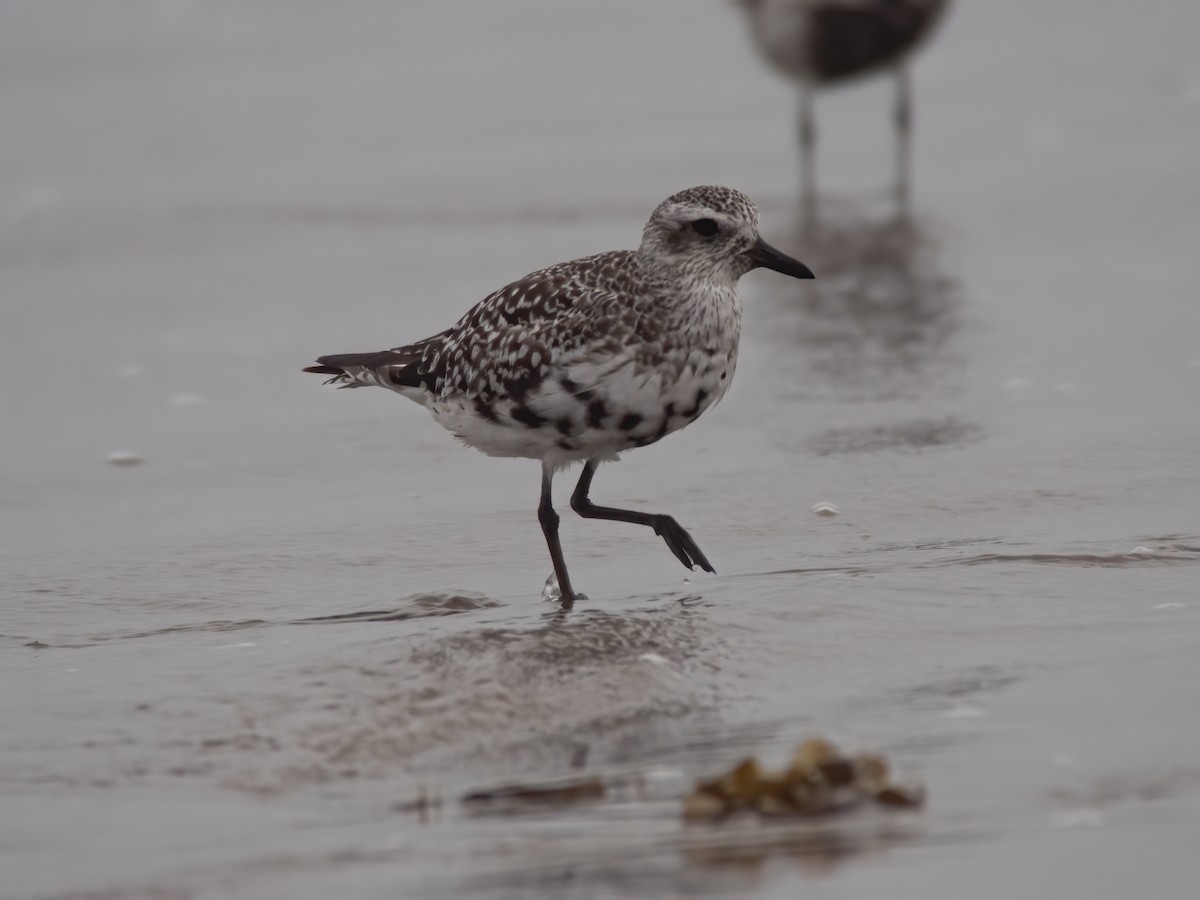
<point>272,658</point>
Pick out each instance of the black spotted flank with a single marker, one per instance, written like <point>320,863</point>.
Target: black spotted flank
<point>568,385</point>
<point>701,396</point>
<point>527,416</point>
<point>662,429</point>
<point>564,425</point>
<point>629,421</point>
<point>596,414</point>
<point>484,410</point>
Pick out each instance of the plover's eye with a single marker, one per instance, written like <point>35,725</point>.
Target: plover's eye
<point>705,227</point>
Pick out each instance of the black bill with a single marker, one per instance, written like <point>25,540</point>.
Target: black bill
<point>763,254</point>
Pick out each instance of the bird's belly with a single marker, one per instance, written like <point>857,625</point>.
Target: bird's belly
<point>630,408</point>
<point>642,408</point>
<point>496,434</point>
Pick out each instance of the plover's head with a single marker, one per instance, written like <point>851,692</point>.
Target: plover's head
<point>711,233</point>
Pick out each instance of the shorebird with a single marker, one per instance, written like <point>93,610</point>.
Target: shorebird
<point>822,42</point>
<point>585,359</point>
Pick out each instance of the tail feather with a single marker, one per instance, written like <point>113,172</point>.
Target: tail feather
<point>392,369</point>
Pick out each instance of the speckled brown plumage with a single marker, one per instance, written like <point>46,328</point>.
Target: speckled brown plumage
<point>588,358</point>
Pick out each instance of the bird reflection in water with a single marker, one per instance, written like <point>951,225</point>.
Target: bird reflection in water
<point>878,324</point>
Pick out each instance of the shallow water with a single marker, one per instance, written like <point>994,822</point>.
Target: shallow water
<point>271,660</point>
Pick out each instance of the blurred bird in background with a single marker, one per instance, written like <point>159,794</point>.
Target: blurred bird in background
<point>824,42</point>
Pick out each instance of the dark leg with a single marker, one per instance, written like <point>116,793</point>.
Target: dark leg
<point>904,125</point>
<point>808,151</point>
<point>549,519</point>
<point>668,529</point>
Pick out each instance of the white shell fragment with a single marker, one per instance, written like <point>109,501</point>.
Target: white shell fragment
<point>825,508</point>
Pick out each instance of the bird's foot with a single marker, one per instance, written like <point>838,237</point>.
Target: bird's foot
<point>553,593</point>
<point>681,543</point>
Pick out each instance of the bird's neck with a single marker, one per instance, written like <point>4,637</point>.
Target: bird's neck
<point>709,310</point>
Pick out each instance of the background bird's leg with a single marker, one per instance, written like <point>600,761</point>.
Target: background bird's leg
<point>667,528</point>
<point>904,124</point>
<point>808,154</point>
<point>549,519</point>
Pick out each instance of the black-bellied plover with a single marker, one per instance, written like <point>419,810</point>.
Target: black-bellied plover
<point>821,42</point>
<point>588,358</point>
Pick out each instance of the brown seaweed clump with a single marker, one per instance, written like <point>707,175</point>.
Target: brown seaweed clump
<point>819,780</point>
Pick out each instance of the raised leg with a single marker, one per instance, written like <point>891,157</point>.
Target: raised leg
<point>549,520</point>
<point>808,154</point>
<point>904,125</point>
<point>667,528</point>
